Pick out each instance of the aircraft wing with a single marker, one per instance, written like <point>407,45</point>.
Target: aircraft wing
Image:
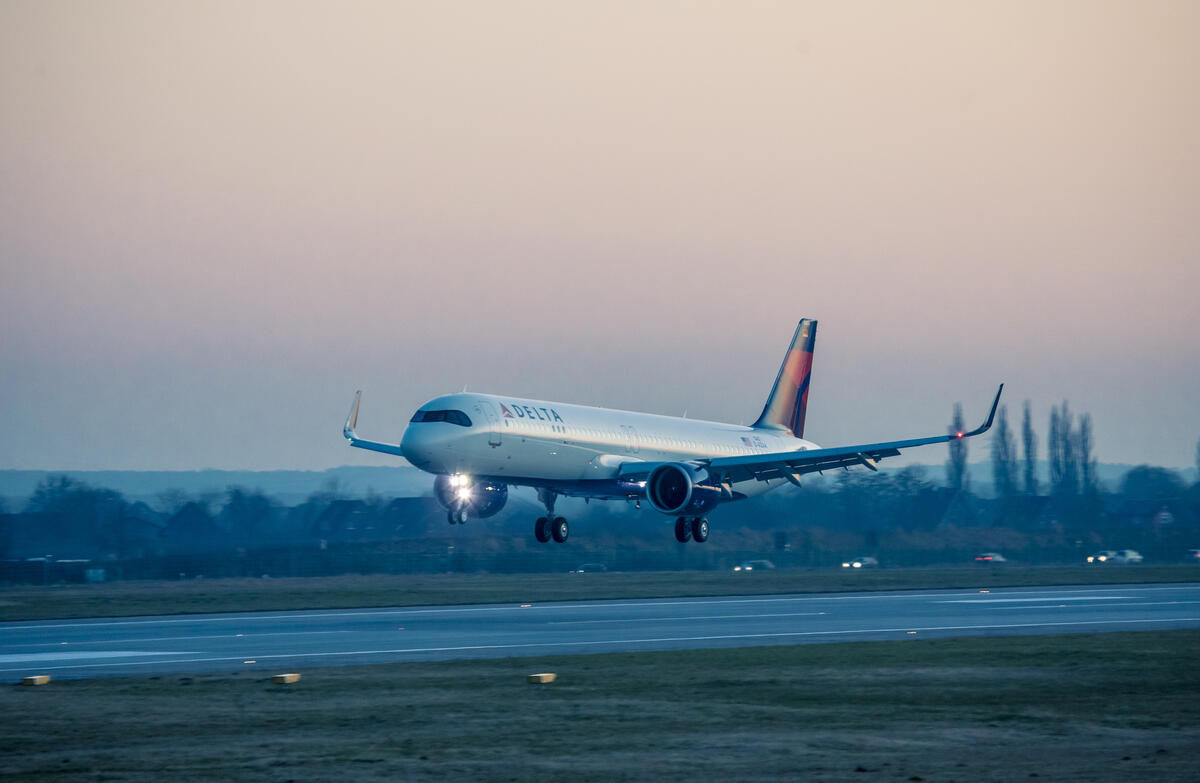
<point>352,436</point>
<point>791,465</point>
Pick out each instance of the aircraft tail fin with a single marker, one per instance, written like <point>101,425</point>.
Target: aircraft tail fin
<point>788,401</point>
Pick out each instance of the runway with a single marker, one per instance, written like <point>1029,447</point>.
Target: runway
<point>295,641</point>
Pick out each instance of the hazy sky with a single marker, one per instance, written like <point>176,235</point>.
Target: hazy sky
<point>218,220</point>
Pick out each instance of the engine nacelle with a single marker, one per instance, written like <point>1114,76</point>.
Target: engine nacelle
<point>480,498</point>
<point>675,488</point>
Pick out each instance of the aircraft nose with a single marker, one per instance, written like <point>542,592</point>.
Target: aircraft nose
<point>416,445</point>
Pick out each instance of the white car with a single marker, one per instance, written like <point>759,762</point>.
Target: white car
<point>754,565</point>
<point>1121,556</point>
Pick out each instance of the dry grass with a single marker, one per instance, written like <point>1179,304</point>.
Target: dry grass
<point>1118,706</point>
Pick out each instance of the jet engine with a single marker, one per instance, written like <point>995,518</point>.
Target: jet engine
<point>675,488</point>
<point>481,498</point>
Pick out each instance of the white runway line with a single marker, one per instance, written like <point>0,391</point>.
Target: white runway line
<point>551,606</point>
<point>1095,606</point>
<point>1045,598</point>
<point>693,617</point>
<point>247,636</point>
<point>72,656</point>
<point>662,640</point>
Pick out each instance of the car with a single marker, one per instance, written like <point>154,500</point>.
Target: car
<point>1192,556</point>
<point>754,565</point>
<point>588,568</point>
<point>1120,556</point>
<point>861,562</point>
<point>990,558</point>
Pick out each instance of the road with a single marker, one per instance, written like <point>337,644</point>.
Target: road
<point>291,641</point>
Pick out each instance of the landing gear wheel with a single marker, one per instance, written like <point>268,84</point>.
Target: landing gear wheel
<point>457,517</point>
<point>559,529</point>
<point>541,530</point>
<point>699,530</point>
<point>683,530</point>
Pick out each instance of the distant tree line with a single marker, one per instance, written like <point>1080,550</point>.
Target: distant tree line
<point>900,516</point>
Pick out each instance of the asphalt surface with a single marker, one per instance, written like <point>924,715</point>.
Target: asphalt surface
<point>292,641</point>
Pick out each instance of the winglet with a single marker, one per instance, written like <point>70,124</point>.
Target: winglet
<point>352,420</point>
<point>357,442</point>
<point>987,425</point>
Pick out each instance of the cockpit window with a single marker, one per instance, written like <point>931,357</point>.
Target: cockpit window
<point>450,417</point>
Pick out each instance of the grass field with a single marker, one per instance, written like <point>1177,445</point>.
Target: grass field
<point>1118,706</point>
<point>233,595</point>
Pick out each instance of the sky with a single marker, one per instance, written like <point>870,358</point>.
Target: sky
<point>218,220</point>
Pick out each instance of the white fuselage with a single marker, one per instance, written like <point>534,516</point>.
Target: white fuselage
<point>513,438</point>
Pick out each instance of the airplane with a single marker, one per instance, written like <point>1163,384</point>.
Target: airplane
<point>477,445</point>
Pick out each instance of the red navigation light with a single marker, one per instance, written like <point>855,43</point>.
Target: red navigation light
<point>960,434</point>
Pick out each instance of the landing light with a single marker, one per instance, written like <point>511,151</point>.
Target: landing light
<point>464,493</point>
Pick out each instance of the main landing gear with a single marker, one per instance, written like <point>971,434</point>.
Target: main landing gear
<point>691,529</point>
<point>550,526</point>
<point>457,516</point>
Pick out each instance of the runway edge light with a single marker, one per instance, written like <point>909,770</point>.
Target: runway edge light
<point>285,679</point>
<point>541,679</point>
<point>36,679</point>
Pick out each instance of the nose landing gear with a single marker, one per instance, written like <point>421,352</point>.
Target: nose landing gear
<point>550,526</point>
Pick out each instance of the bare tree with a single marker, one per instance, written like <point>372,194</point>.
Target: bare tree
<point>1070,451</point>
<point>1054,453</point>
<point>1064,452</point>
<point>1029,439</point>
<point>956,466</point>
<point>1087,460</point>
<point>1004,463</point>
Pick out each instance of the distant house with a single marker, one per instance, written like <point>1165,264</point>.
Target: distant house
<point>357,520</point>
<point>192,530</point>
<point>1149,511</point>
<point>139,538</point>
<point>343,520</point>
<point>41,534</point>
<point>414,516</point>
